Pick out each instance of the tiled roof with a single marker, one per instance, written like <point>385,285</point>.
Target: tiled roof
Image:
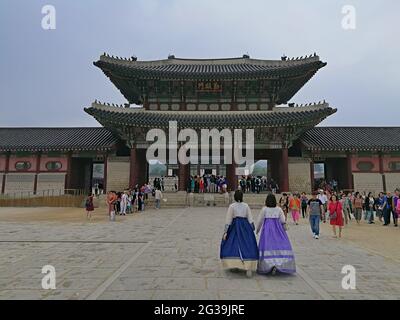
<point>139,117</point>
<point>352,139</point>
<point>231,68</point>
<point>55,139</point>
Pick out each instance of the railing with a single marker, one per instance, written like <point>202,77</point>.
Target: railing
<point>44,198</point>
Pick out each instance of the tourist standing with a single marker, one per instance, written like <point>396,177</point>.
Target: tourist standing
<point>111,200</point>
<point>158,197</point>
<point>369,208</point>
<point>123,203</point>
<point>284,204</point>
<point>336,215</point>
<point>276,252</point>
<point>239,245</point>
<point>140,201</point>
<point>294,206</point>
<point>395,205</point>
<point>358,207</point>
<point>89,206</point>
<point>304,202</point>
<point>380,204</point>
<point>316,210</point>
<point>324,200</point>
<point>389,208</point>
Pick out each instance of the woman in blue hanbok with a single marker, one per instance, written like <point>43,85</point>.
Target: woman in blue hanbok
<point>239,245</point>
<point>275,250</point>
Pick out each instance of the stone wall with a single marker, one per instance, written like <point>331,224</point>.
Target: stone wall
<point>299,175</point>
<point>19,182</point>
<point>118,169</point>
<point>392,181</point>
<point>51,181</point>
<point>368,182</point>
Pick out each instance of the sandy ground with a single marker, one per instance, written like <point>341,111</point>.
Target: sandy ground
<point>377,239</point>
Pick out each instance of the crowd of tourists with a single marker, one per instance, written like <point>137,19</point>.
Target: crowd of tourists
<point>239,249</point>
<point>207,183</point>
<point>257,184</point>
<point>128,201</point>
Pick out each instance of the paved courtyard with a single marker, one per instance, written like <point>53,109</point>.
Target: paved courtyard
<point>174,254</point>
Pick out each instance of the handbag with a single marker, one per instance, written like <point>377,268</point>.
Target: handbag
<point>333,215</point>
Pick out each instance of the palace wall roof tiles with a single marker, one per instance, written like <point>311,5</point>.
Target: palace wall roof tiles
<point>56,139</point>
<point>352,139</point>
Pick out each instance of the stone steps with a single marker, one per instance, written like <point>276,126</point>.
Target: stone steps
<point>182,199</point>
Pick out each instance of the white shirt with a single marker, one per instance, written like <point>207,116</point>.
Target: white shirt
<point>238,209</point>
<point>323,198</point>
<point>271,213</point>
<point>158,195</point>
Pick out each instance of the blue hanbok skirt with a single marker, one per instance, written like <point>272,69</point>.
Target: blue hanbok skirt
<point>239,250</point>
<point>275,249</point>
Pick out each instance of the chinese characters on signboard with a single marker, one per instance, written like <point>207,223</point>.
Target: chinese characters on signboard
<point>209,86</point>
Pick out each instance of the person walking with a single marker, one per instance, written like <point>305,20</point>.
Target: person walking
<point>369,208</point>
<point>89,206</point>
<point>304,202</point>
<point>158,198</point>
<point>239,245</point>
<point>315,211</point>
<point>294,206</point>
<point>336,215</point>
<point>276,253</point>
<point>358,207</point>
<point>284,204</point>
<point>347,207</point>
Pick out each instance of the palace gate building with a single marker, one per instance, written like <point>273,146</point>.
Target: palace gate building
<point>234,93</point>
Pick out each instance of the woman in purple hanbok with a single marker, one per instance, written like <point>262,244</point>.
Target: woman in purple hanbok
<point>275,250</point>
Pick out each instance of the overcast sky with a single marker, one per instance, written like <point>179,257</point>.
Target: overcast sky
<point>47,76</point>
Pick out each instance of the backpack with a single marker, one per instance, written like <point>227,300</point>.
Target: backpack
<point>398,206</point>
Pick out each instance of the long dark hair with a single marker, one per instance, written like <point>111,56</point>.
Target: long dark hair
<point>270,202</point>
<point>238,196</point>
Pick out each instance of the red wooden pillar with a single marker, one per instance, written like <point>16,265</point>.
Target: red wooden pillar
<point>382,171</point>
<point>133,168</point>
<point>183,176</point>
<point>231,177</point>
<point>105,173</point>
<point>350,183</point>
<point>37,173</point>
<point>3,186</point>
<point>284,187</point>
<point>69,171</point>
<point>312,176</point>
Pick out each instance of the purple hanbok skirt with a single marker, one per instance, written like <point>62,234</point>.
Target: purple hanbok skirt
<point>275,249</point>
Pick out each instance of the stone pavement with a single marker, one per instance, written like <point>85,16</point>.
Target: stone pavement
<point>174,254</point>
